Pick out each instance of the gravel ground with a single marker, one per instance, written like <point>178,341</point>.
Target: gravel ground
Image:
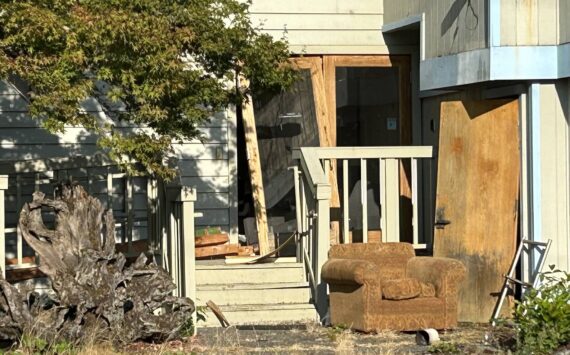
<point>313,339</point>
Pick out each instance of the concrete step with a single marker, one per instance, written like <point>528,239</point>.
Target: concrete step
<point>252,293</point>
<point>262,314</point>
<point>215,274</point>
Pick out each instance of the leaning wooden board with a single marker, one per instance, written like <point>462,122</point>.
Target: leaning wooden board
<point>477,193</point>
<point>254,165</point>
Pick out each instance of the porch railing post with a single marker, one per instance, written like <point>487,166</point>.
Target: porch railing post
<point>3,187</point>
<point>188,198</point>
<point>322,246</point>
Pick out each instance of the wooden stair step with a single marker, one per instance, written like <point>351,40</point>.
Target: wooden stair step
<point>253,314</point>
<point>261,294</point>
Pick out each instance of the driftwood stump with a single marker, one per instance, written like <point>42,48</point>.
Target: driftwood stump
<point>94,291</point>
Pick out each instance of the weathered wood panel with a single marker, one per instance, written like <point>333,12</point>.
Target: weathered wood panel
<point>555,171</point>
<point>477,192</point>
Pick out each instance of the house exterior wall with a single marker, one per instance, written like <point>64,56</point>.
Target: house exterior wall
<point>326,26</point>
<point>564,24</point>
<point>451,26</point>
<point>209,167</point>
<point>555,171</point>
<point>531,22</point>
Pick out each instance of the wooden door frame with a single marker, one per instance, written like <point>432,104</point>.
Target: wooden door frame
<point>315,65</point>
<point>388,61</point>
<point>326,134</point>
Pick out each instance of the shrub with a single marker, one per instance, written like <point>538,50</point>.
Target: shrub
<point>543,316</point>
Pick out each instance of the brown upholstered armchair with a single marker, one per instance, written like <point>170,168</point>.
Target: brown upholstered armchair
<point>385,286</point>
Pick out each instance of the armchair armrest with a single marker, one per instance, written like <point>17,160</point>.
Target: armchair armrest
<point>444,273</point>
<point>349,271</point>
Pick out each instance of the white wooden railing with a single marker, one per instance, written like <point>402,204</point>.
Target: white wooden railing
<point>313,199</point>
<point>167,217</point>
<point>145,211</point>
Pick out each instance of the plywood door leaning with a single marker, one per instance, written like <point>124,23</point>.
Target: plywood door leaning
<point>477,193</point>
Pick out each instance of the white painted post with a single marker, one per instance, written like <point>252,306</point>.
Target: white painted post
<point>129,209</point>
<point>109,191</point>
<point>19,206</point>
<point>304,219</point>
<point>3,187</point>
<point>187,198</point>
<point>392,208</point>
<point>173,255</point>
<point>323,245</point>
<point>364,199</point>
<point>415,224</point>
<point>298,216</point>
<point>383,202</point>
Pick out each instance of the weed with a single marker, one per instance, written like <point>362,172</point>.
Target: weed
<point>188,329</point>
<point>542,318</point>
<point>33,345</point>
<point>335,331</point>
<point>444,347</point>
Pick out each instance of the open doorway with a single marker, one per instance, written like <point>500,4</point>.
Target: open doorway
<point>369,102</point>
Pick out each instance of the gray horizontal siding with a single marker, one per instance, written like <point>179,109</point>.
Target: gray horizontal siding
<point>325,26</point>
<point>205,165</point>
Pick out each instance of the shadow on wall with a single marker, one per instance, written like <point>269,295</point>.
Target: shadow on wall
<point>206,165</point>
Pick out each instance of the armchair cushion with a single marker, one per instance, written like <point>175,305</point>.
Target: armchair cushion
<point>401,289</point>
<point>443,273</point>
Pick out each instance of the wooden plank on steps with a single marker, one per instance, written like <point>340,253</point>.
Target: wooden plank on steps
<point>232,259</point>
<point>223,250</point>
<point>211,239</point>
<point>216,250</point>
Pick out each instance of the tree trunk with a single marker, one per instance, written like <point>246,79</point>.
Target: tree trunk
<point>94,291</point>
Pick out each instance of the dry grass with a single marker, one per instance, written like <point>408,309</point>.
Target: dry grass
<point>99,349</point>
<point>345,342</point>
<point>305,339</point>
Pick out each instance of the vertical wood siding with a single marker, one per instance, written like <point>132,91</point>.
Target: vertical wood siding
<point>324,26</point>
<point>451,26</point>
<point>531,22</point>
<point>454,26</point>
<point>555,171</point>
<point>205,166</point>
<point>564,21</point>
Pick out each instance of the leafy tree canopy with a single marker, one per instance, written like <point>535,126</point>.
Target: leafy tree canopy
<point>163,64</point>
